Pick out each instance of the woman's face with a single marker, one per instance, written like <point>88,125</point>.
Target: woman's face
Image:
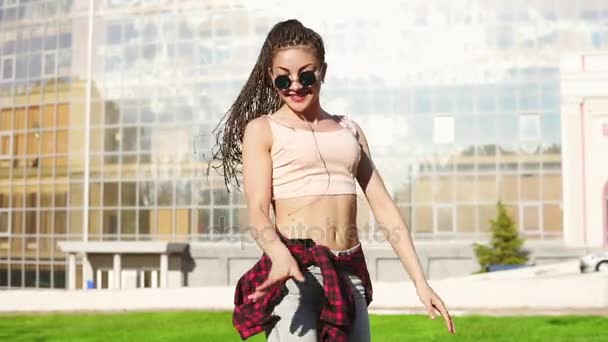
<point>292,62</point>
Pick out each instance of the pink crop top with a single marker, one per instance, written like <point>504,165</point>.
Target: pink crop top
<point>299,170</point>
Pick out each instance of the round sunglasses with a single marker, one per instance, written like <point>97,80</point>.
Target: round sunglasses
<point>306,79</point>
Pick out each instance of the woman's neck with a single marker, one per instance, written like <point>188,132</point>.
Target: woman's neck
<point>312,115</point>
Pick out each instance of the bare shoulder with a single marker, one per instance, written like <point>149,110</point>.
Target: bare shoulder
<point>258,130</point>
<point>353,125</point>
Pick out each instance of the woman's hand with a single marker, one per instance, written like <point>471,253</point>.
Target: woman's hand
<point>432,302</point>
<point>282,268</point>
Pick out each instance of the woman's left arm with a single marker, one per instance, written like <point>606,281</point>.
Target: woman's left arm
<point>395,230</point>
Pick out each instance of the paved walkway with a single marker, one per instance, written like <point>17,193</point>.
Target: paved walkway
<point>547,289</point>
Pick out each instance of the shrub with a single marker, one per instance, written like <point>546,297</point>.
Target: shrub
<point>505,245</point>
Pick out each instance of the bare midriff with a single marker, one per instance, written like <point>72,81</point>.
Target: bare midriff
<point>330,220</point>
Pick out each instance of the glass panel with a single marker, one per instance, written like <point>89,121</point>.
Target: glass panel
<point>507,98</point>
<point>112,139</point>
<point>552,187</point>
<point>443,130</point>
<point>128,194</point>
<point>110,194</point>
<point>466,131</point>
<point>507,131</point>
<point>165,223</point>
<point>529,97</point>
<point>221,221</point>
<point>221,197</point>
<point>95,223</point>
<point>466,218</point>
<point>61,222</point>
<point>76,193</point>
<point>61,198</point>
<point>443,189</point>
<point>17,222</point>
<point>59,276</point>
<point>129,138</point>
<point>3,273</point>
<point>16,275</point>
<point>530,187</point>
<point>4,215</point>
<point>553,218</point>
<point>165,193</point>
<point>62,141</point>
<point>31,222</point>
<point>76,221</point>
<point>423,216</point>
<point>465,188</point>
<point>110,222</point>
<point>508,187</point>
<point>128,224</point>
<point>4,198</point>
<point>486,98</point>
<point>44,276</point>
<point>423,189</point>
<point>50,66</point>
<point>95,194</point>
<point>147,193</point>
<point>30,275</point>
<point>445,219</point>
<point>182,192</point>
<point>529,127</point>
<point>485,213</point>
<point>551,128</point>
<point>46,247</point>
<point>202,221</point>
<point>145,220</point>
<point>530,218</point>
<point>486,188</point>
<point>4,249</point>
<point>182,222</point>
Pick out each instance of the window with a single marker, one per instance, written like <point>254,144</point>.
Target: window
<point>5,145</point>
<point>49,61</point>
<point>530,217</point>
<point>148,278</point>
<point>4,231</point>
<point>444,219</point>
<point>529,127</point>
<point>443,130</point>
<point>7,68</point>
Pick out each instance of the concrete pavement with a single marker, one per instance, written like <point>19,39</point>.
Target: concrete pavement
<point>540,289</point>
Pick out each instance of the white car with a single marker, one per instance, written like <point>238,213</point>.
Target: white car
<point>594,262</point>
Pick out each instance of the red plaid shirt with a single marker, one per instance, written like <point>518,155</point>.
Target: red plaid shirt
<point>338,311</point>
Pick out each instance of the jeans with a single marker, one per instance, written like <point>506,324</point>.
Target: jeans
<point>300,308</point>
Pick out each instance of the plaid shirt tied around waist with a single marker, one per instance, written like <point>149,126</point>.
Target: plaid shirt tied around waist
<point>338,310</point>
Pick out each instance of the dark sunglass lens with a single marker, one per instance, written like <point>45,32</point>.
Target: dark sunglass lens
<point>307,78</point>
<point>282,82</point>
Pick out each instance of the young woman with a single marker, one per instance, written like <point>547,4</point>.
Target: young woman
<point>311,283</point>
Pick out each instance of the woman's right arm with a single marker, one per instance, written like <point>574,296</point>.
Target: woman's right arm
<point>257,183</point>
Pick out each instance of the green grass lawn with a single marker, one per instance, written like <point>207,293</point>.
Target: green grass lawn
<point>217,326</point>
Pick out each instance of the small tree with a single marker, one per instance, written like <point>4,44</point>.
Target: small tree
<point>505,246</point>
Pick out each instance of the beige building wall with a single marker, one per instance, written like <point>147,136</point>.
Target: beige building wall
<point>585,136</point>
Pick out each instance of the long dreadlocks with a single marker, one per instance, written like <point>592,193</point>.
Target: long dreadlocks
<point>258,96</point>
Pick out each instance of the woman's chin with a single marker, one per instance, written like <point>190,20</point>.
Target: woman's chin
<point>299,104</point>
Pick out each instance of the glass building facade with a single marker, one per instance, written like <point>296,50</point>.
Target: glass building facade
<point>102,102</point>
